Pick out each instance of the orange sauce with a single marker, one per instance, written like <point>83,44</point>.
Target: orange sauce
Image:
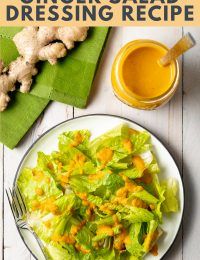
<point>154,250</point>
<point>104,229</point>
<point>143,75</point>
<point>39,191</point>
<point>149,240</point>
<point>127,145</point>
<point>146,178</point>
<point>138,203</point>
<point>48,205</point>
<point>139,80</point>
<point>47,223</point>
<point>105,155</point>
<point>78,139</point>
<point>97,176</point>
<point>138,163</point>
<point>68,239</point>
<point>129,187</point>
<point>121,239</point>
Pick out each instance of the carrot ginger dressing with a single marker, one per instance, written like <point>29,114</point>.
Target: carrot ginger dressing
<point>142,73</point>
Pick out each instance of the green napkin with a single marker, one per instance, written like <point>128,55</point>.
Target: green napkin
<point>23,109</point>
<point>69,82</point>
<point>22,113</point>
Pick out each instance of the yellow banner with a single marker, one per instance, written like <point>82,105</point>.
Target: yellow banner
<point>100,12</point>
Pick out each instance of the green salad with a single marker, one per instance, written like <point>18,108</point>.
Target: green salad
<point>98,199</point>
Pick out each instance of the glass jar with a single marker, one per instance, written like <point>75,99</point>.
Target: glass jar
<point>129,97</point>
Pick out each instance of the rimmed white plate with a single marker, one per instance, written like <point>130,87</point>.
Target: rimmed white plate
<point>99,124</point>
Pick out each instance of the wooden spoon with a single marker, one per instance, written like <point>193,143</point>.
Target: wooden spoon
<point>183,45</point>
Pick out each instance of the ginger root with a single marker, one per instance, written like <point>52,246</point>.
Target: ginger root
<point>6,85</point>
<point>32,41</point>
<point>35,44</point>
<point>52,52</point>
<point>22,72</point>
<point>18,71</point>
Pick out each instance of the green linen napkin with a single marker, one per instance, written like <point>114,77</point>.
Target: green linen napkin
<point>69,82</point>
<point>16,121</point>
<point>71,79</point>
<point>23,109</point>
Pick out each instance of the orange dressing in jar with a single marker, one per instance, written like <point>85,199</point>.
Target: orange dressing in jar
<point>139,80</point>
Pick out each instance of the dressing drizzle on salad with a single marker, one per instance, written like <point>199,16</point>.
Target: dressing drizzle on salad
<point>98,199</point>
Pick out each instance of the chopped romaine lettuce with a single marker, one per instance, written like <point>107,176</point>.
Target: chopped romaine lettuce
<point>133,245</point>
<point>170,203</point>
<point>100,199</point>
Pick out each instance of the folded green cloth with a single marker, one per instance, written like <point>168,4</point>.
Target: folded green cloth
<point>69,82</point>
<point>22,113</point>
<point>23,109</point>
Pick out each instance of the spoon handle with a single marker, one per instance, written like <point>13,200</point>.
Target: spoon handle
<point>183,45</point>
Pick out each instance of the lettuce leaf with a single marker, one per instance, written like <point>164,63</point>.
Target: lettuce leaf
<point>104,140</point>
<point>106,254</point>
<point>133,246</point>
<point>57,225</point>
<point>132,173</point>
<point>84,238</point>
<point>29,185</point>
<point>57,252</point>
<point>170,203</point>
<point>78,139</point>
<point>150,239</point>
<point>145,196</point>
<point>159,191</point>
<point>140,142</point>
<point>134,214</point>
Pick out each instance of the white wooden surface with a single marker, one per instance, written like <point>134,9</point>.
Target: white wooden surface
<point>177,124</point>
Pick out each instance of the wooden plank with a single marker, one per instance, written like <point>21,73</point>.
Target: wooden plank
<point>1,201</point>
<point>14,248</point>
<point>191,144</point>
<point>165,122</point>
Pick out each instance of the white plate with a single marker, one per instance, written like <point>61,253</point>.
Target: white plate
<point>99,124</point>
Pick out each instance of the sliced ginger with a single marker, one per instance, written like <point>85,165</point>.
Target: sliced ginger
<point>35,44</point>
